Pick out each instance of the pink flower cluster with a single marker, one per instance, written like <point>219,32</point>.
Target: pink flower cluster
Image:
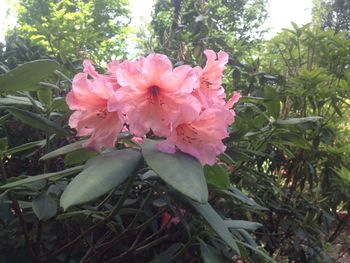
<point>185,105</point>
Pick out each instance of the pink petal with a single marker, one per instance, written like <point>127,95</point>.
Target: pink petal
<point>233,100</point>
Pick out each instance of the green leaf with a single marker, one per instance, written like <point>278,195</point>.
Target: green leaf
<point>45,96</point>
<point>101,174</point>
<point>247,237</point>
<point>3,145</point>
<point>44,206</point>
<point>59,104</point>
<point>63,150</point>
<point>34,178</point>
<point>216,223</point>
<point>17,100</point>
<point>211,255</point>
<point>27,76</point>
<point>251,99</point>
<point>295,121</point>
<point>217,176</point>
<point>78,156</point>
<point>237,224</point>
<point>36,121</point>
<point>181,171</point>
<point>238,195</point>
<point>24,147</point>
<point>272,102</point>
<point>291,139</point>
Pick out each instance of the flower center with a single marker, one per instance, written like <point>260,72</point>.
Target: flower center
<point>154,90</point>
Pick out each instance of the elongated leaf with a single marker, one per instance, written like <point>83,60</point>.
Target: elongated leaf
<point>78,156</point>
<point>179,170</point>
<point>165,256</point>
<point>251,99</point>
<point>217,176</point>
<point>36,121</point>
<point>59,104</point>
<point>63,150</point>
<point>247,237</point>
<point>237,224</point>
<point>27,76</point>
<point>237,194</point>
<point>211,255</point>
<point>295,121</point>
<point>272,102</point>
<point>216,223</point>
<point>17,100</point>
<point>101,174</point>
<point>45,96</point>
<point>34,178</point>
<point>25,147</point>
<point>44,206</point>
<point>291,139</point>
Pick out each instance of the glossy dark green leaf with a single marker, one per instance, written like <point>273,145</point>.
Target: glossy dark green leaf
<point>272,102</point>
<point>181,171</point>
<point>44,206</point>
<point>25,147</point>
<point>45,96</point>
<point>291,139</point>
<point>211,255</point>
<point>216,223</point>
<point>16,100</point>
<point>247,237</point>
<point>295,121</point>
<point>36,121</point>
<point>34,178</point>
<point>237,224</point>
<point>27,76</point>
<point>235,193</point>
<point>217,176</point>
<point>101,174</point>
<point>63,150</point>
<point>59,104</point>
<point>3,145</point>
<point>78,156</point>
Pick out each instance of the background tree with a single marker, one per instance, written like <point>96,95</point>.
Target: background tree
<point>75,29</point>
<point>335,15</point>
<point>185,28</point>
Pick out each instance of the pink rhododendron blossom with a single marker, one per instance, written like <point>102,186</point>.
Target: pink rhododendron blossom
<point>209,90</point>
<point>185,105</point>
<point>154,96</point>
<point>89,97</point>
<point>201,138</point>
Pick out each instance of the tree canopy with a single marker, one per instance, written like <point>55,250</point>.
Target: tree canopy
<point>337,15</point>
<point>75,29</point>
<point>186,27</point>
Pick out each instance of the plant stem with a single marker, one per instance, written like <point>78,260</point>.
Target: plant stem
<point>114,211</point>
<point>19,213</point>
<point>3,171</point>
